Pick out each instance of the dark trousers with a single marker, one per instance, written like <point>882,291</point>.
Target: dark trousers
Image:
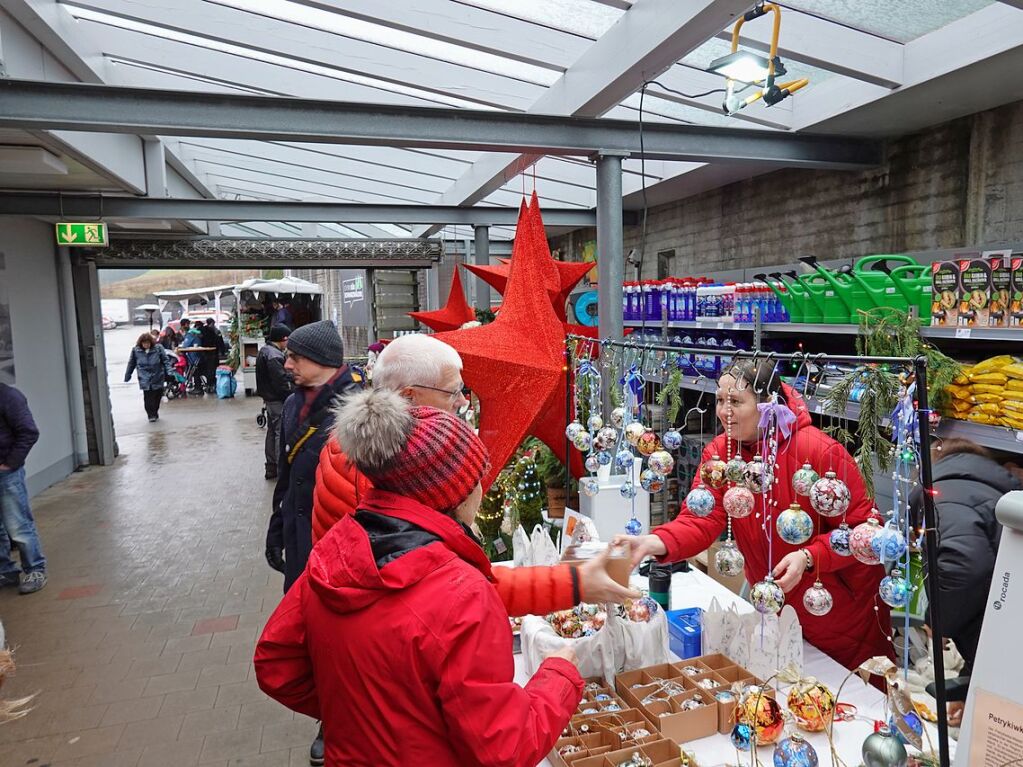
<point>272,446</point>
<point>211,360</point>
<point>152,399</point>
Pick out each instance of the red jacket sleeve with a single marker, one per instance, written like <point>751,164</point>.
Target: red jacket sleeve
<point>491,720</point>
<point>687,535</point>
<point>284,669</point>
<point>339,487</point>
<point>537,590</point>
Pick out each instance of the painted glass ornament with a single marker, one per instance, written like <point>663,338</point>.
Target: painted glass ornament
<point>889,544</point>
<point>633,432</point>
<point>589,486</point>
<point>818,600</point>
<point>767,596</point>
<point>651,481</point>
<point>605,438</point>
<point>812,704</point>
<point>700,501</point>
<point>761,713</point>
<point>756,476</point>
<point>661,462</point>
<point>572,429</point>
<point>830,496</point>
<point>594,423</point>
<point>633,526</point>
<point>648,444</point>
<point>628,490</point>
<point>861,542</point>
<point>794,525</point>
<point>803,480</point>
<point>728,560</point>
<point>618,417</point>
<point>882,749</point>
<point>739,502</point>
<point>839,540</point>
<point>583,441</point>
<point>742,736</point>
<point>604,458</point>
<point>735,469</point>
<point>910,721</point>
<point>895,589</point>
<point>794,751</point>
<point>624,458</point>
<point>671,439</point>
<point>592,463</point>
<point>712,473</point>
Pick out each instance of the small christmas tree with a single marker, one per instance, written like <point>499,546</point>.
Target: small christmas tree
<point>490,519</point>
<point>529,494</point>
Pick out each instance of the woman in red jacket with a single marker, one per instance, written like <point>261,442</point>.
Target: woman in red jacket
<point>858,625</point>
<point>394,635</point>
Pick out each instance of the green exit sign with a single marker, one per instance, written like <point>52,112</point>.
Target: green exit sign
<point>82,235</point>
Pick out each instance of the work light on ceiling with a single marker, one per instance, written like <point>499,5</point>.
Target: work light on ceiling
<point>754,69</point>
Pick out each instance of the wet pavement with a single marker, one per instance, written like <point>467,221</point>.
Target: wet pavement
<point>139,649</point>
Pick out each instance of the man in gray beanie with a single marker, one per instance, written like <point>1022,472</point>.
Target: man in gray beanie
<point>315,360</point>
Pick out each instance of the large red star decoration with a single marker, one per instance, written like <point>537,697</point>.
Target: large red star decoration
<point>453,315</point>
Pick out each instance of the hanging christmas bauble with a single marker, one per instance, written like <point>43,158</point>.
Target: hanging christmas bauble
<point>794,525</point>
<point>589,486</point>
<point>839,540</point>
<point>661,462</point>
<point>812,704</point>
<point>739,502</point>
<point>756,476</point>
<point>909,721</point>
<point>700,501</point>
<point>804,479</point>
<point>648,444</point>
<point>651,481</point>
<point>735,469</point>
<point>935,420</point>
<point>829,495</point>
<point>634,527</point>
<point>760,712</point>
<point>633,432</point>
<point>628,490</point>
<point>618,417</point>
<point>794,751</point>
<point>889,544</point>
<point>712,473</point>
<point>572,429</point>
<point>605,438</point>
<point>624,458</point>
<point>592,463</point>
<point>767,596</point>
<point>728,560</point>
<point>895,589</point>
<point>882,749</point>
<point>583,441</point>
<point>671,439</point>
<point>604,458</point>
<point>742,736</point>
<point>861,542</point>
<point>594,423</point>
<point>818,600</point>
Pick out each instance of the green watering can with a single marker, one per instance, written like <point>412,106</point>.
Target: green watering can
<point>803,305</point>
<point>914,282</point>
<point>880,288</point>
<point>830,309</point>
<point>792,305</point>
<point>847,290</point>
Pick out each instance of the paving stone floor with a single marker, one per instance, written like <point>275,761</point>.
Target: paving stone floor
<point>140,648</point>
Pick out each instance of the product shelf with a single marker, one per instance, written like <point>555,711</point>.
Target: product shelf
<point>979,334</point>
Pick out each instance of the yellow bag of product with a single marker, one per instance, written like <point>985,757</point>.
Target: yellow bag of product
<point>1014,370</point>
<point>992,364</point>
<point>987,389</point>
<point>964,405</point>
<point>1012,394</point>
<point>1012,406</point>
<point>961,392</point>
<point>989,378</point>
<point>1013,385</point>
<point>991,409</point>
<point>1012,423</point>
<point>987,398</point>
<point>982,418</point>
<point>962,379</point>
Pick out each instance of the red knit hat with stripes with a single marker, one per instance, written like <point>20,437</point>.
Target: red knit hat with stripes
<point>421,453</point>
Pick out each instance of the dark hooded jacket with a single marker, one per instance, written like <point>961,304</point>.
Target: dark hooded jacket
<point>968,488</point>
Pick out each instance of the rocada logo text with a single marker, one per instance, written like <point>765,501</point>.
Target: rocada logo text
<point>1005,590</point>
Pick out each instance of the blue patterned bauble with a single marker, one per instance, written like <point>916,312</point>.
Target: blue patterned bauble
<point>700,501</point>
<point>583,441</point>
<point>628,490</point>
<point>889,544</point>
<point>591,463</point>
<point>911,721</point>
<point>794,751</point>
<point>671,439</point>
<point>651,481</point>
<point>623,458</point>
<point>895,590</point>
<point>794,525</point>
<point>742,736</point>
<point>839,540</point>
<point>589,486</point>
<point>572,429</point>
<point>634,527</point>
<point>595,423</point>
<point>604,458</point>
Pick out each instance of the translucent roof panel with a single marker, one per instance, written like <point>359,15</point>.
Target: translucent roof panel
<point>579,17</point>
<point>900,20</point>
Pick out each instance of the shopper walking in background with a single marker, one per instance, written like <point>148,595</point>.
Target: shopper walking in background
<point>149,361</point>
<point>395,636</point>
<point>273,384</point>
<point>18,433</point>
<point>210,339</point>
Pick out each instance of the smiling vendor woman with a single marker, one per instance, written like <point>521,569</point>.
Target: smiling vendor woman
<point>858,625</point>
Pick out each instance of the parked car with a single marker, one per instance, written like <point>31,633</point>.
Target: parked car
<point>108,324</point>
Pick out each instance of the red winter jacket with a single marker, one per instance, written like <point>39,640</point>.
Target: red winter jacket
<point>395,638</point>
<point>537,590</point>
<point>852,631</point>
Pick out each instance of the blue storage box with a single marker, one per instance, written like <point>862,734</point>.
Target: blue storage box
<point>685,632</point>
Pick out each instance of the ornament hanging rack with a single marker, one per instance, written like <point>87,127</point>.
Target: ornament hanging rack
<point>918,365</point>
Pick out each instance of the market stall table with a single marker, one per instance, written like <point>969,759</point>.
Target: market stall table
<point>696,589</point>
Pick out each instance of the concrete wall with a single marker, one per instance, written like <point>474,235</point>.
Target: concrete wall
<point>954,185</point>
<point>39,347</point>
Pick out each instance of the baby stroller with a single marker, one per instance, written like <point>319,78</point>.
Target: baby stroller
<point>175,385</point>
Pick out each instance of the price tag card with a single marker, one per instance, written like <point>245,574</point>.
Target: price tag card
<point>963,332</point>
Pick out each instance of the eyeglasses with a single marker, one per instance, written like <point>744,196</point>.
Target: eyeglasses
<point>463,390</point>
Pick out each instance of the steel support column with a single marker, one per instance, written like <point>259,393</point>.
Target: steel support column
<point>610,244</point>
<point>482,258</point>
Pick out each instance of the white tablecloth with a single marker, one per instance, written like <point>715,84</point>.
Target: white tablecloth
<point>696,589</point>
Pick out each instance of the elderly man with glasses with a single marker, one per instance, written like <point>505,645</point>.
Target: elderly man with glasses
<point>428,372</point>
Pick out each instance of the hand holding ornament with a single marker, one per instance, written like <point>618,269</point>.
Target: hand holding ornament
<point>596,586</point>
<point>789,571</point>
<point>641,546</point>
